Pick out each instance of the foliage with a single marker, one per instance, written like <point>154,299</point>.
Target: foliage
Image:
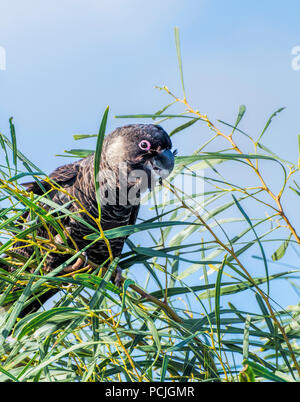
<point>201,308</point>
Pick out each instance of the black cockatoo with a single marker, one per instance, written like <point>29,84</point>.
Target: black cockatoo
<point>132,157</point>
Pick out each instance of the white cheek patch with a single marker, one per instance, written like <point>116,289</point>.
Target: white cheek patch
<point>115,150</point>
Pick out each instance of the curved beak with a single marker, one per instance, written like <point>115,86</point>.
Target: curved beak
<point>163,163</point>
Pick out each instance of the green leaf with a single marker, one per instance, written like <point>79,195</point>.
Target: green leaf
<point>99,295</point>
<point>79,153</point>
<point>160,112</point>
<point>124,231</point>
<point>217,299</point>
<point>22,157</point>
<point>8,374</point>
<point>183,126</point>
<point>230,288</point>
<point>126,284</point>
<point>246,337</point>
<point>14,142</point>
<point>266,149</point>
<point>97,158</point>
<point>257,238</point>
<point>263,372</point>
<point>279,253</point>
<point>265,313</point>
<point>247,374</point>
<point>242,111</point>
<point>55,314</point>
<point>152,116</point>
<point>235,128</point>
<point>220,155</point>
<point>83,136</point>
<point>269,122</point>
<point>56,357</point>
<point>21,175</point>
<point>177,41</point>
<point>92,282</point>
<point>164,367</point>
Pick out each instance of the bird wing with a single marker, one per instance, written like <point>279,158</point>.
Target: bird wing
<point>64,176</point>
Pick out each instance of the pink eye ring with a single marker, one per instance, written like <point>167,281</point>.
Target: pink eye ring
<point>145,145</point>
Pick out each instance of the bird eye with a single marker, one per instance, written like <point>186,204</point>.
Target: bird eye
<point>145,145</point>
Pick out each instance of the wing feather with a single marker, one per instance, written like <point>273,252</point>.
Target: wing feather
<point>64,176</point>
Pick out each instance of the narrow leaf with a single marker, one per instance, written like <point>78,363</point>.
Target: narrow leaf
<point>242,111</point>
<point>177,41</point>
<point>279,253</point>
<point>97,158</point>
<point>217,300</point>
<point>84,136</point>
<point>269,122</point>
<point>257,238</point>
<point>183,126</point>
<point>13,141</point>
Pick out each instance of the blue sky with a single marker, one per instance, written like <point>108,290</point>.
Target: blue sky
<point>67,59</point>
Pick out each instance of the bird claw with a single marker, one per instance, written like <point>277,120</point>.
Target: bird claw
<point>86,258</point>
<point>78,264</point>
